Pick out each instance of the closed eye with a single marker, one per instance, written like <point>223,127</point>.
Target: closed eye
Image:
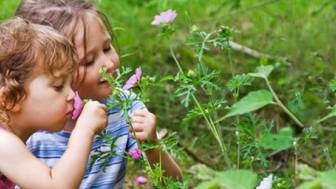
<point>107,49</point>
<point>58,88</point>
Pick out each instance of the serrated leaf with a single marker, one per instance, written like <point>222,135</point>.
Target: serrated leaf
<point>262,71</point>
<point>251,102</point>
<point>233,179</point>
<point>278,141</point>
<point>238,81</point>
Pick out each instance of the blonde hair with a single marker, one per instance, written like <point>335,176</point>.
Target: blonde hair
<point>63,15</point>
<point>26,47</point>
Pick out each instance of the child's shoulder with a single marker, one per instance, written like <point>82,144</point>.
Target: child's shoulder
<point>9,142</point>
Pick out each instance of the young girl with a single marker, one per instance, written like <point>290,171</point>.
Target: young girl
<point>36,64</point>
<point>90,32</point>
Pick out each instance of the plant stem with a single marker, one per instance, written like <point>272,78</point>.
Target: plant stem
<point>296,120</point>
<point>229,56</point>
<point>208,120</point>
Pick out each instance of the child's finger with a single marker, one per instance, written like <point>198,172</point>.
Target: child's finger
<point>141,136</point>
<point>136,127</point>
<point>137,119</point>
<point>142,112</point>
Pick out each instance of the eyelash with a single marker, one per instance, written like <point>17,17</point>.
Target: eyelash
<point>59,88</point>
<point>107,49</point>
<point>89,63</point>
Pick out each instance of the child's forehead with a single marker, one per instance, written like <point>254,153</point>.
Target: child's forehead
<point>89,33</point>
<point>53,73</point>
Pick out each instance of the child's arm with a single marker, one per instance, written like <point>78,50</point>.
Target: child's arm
<point>21,167</point>
<point>144,124</point>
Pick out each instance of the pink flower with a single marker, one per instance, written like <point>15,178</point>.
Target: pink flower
<point>140,180</point>
<point>165,17</point>
<point>78,106</point>
<point>133,79</point>
<point>135,153</point>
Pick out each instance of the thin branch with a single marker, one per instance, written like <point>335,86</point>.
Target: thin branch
<point>248,51</point>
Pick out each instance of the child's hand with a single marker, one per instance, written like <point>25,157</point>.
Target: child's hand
<point>144,125</point>
<point>93,117</point>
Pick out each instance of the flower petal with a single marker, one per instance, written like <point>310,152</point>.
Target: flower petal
<point>266,183</point>
<point>78,106</point>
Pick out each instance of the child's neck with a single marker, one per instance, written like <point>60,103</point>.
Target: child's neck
<point>23,134</point>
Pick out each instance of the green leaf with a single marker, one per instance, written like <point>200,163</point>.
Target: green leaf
<point>167,78</point>
<point>316,184</point>
<point>278,141</point>
<point>213,184</point>
<point>238,81</point>
<point>251,102</point>
<point>332,85</point>
<point>328,179</point>
<point>238,179</point>
<point>262,71</point>
<point>306,172</point>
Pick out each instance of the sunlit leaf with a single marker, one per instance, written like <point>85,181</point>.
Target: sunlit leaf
<point>328,179</point>
<point>315,184</point>
<point>238,179</point>
<point>262,71</point>
<point>213,184</point>
<point>251,102</point>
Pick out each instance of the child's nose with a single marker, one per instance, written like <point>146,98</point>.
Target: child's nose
<point>71,95</point>
<point>111,64</point>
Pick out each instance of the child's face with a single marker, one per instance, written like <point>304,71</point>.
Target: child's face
<point>100,53</point>
<point>47,105</point>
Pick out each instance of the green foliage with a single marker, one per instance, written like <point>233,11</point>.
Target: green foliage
<point>106,151</point>
<point>281,140</point>
<point>251,102</point>
<point>231,179</point>
<point>239,81</point>
<point>262,71</point>
<point>317,180</point>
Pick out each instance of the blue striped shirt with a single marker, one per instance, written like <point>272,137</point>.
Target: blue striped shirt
<point>49,147</point>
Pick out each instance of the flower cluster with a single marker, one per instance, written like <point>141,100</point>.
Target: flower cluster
<point>140,180</point>
<point>135,153</point>
<point>165,17</point>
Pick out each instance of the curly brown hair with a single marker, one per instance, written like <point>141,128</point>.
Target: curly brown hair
<point>26,48</point>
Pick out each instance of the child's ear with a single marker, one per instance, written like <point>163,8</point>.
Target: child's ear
<point>16,108</point>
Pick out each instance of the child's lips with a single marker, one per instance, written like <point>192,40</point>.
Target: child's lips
<point>70,112</point>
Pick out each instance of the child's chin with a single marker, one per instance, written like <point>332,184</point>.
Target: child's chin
<point>106,92</point>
